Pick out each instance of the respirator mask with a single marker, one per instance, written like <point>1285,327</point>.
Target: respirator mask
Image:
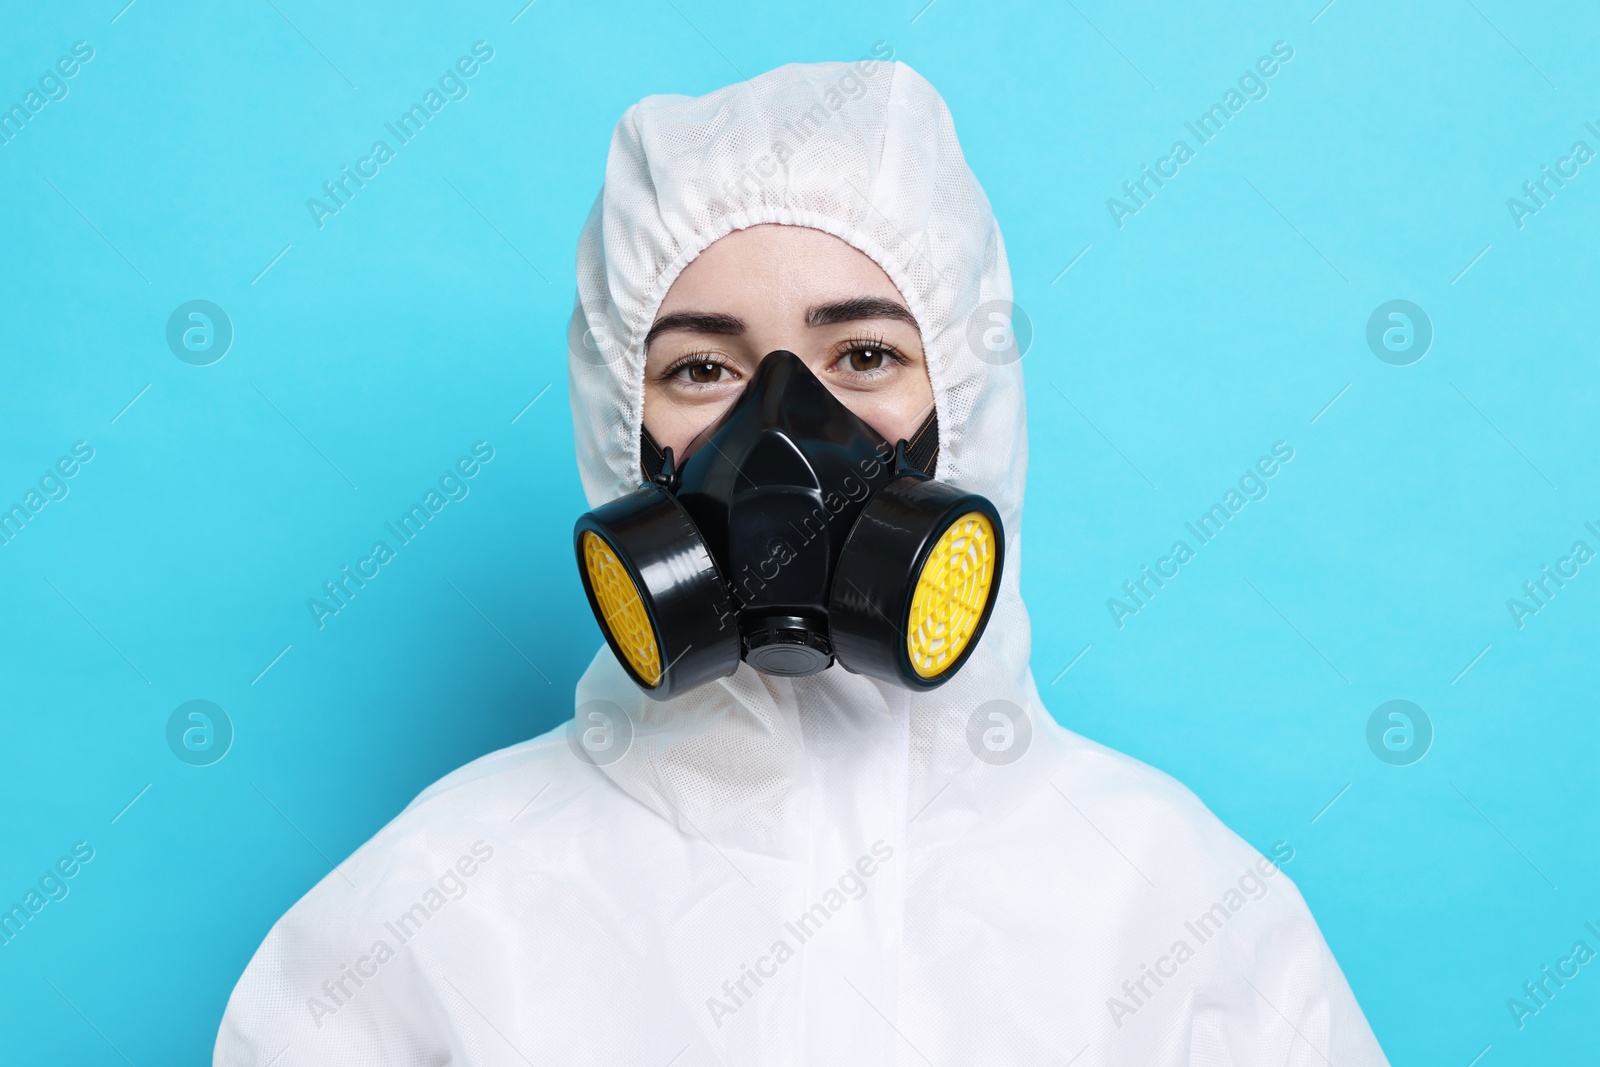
<point>794,536</point>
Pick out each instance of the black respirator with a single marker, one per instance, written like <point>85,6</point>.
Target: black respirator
<point>794,536</point>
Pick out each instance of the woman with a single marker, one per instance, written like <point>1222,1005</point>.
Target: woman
<point>821,869</point>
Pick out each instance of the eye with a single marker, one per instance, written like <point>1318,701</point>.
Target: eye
<point>700,371</point>
<point>868,357</point>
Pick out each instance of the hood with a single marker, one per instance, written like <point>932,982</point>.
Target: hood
<point>865,151</point>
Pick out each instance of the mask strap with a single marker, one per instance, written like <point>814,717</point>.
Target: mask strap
<point>922,450</point>
<point>651,458</point>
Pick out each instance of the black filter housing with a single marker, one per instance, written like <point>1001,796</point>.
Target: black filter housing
<point>880,567</point>
<point>684,595</point>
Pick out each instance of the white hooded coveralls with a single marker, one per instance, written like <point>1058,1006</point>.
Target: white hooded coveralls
<point>818,870</point>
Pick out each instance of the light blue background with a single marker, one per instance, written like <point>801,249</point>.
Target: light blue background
<point>426,316</point>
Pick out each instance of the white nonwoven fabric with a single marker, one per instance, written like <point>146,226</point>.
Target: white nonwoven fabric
<point>810,871</point>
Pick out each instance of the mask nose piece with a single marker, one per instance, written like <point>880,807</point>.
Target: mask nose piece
<point>781,532</point>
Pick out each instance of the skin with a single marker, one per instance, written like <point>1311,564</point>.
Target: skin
<point>782,287</point>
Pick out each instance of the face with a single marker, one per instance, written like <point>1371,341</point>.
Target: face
<point>782,287</point>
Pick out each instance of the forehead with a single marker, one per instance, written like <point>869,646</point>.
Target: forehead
<point>764,267</point>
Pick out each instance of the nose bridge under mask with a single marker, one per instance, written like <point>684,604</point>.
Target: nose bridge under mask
<point>922,449</point>
<point>798,536</point>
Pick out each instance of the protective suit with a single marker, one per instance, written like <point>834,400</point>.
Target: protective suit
<point>817,870</point>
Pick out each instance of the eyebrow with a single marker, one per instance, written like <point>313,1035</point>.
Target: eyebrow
<point>852,310</point>
<point>861,307</point>
<point>694,322</point>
